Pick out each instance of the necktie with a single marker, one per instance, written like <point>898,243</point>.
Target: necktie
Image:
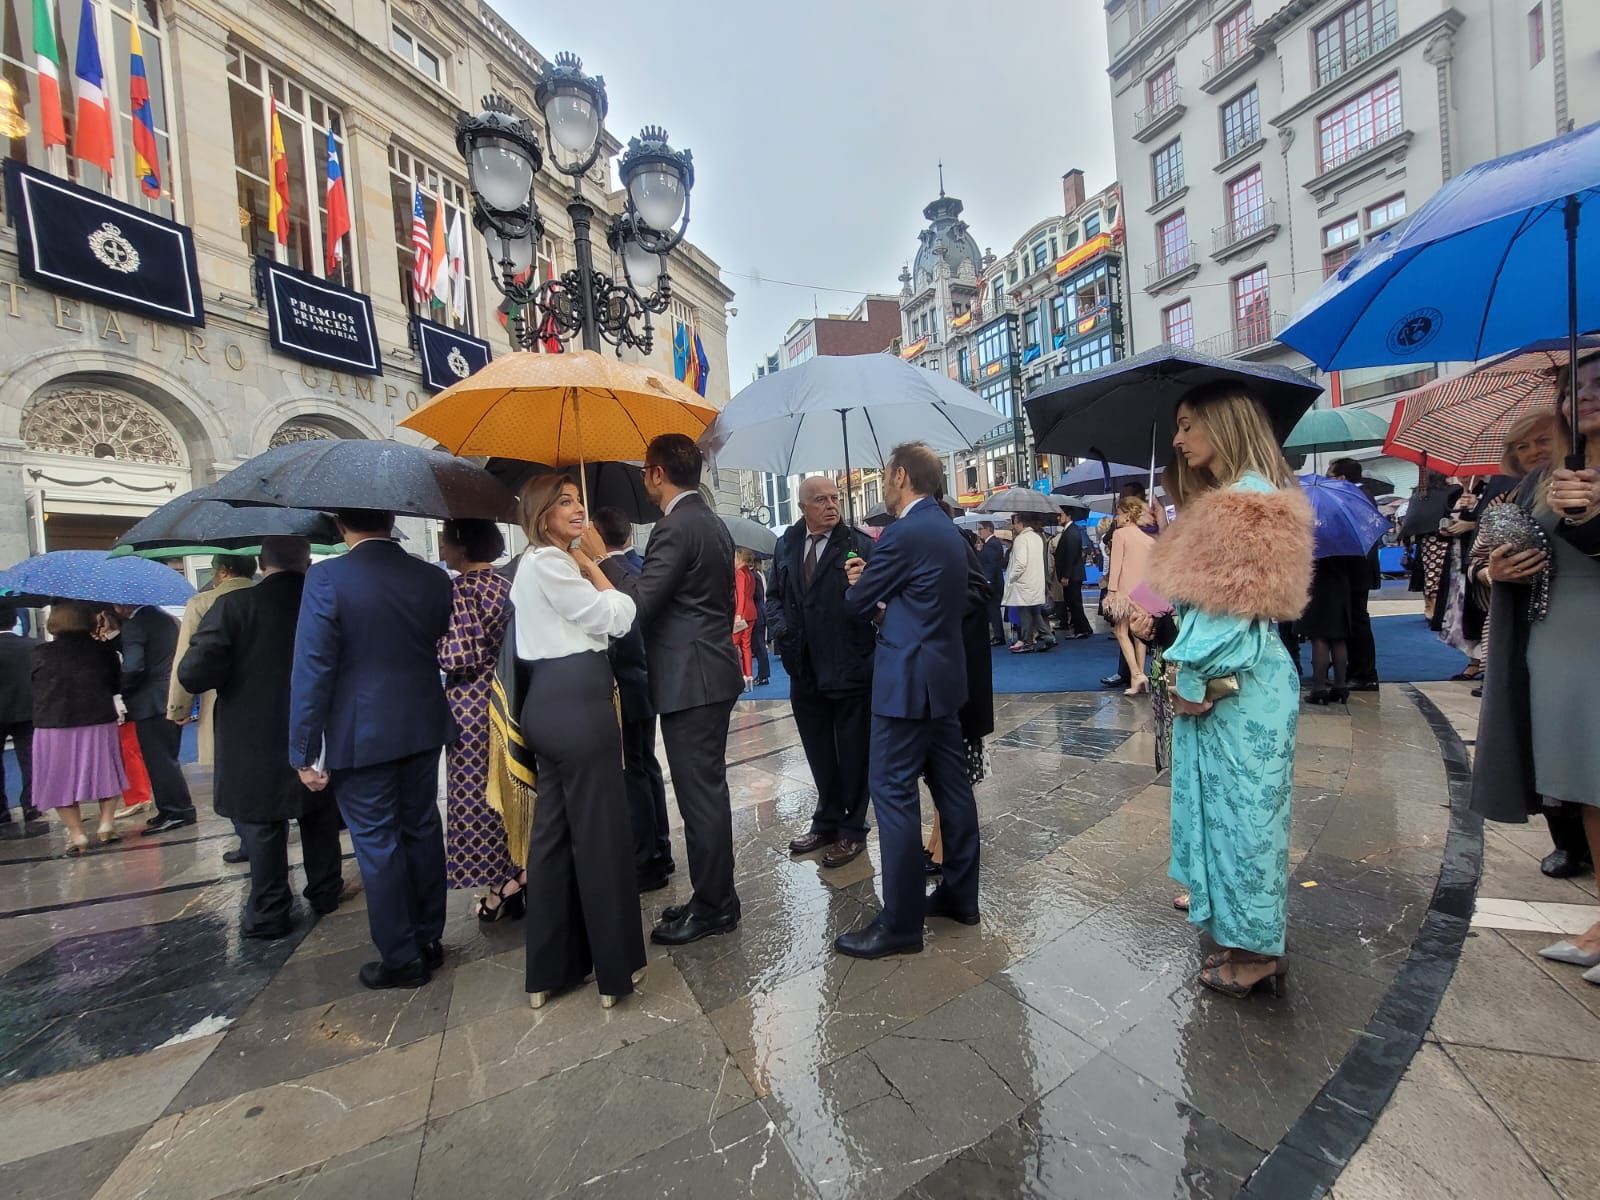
<point>813,552</point>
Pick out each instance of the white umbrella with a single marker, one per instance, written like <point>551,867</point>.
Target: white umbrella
<point>1021,500</point>
<point>807,418</point>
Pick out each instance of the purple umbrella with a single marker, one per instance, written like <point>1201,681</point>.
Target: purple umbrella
<point>1348,522</point>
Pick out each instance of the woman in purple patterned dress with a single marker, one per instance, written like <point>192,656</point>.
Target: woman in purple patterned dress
<point>475,837</point>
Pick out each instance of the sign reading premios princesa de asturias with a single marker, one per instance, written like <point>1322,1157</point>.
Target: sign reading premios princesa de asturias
<point>320,322</point>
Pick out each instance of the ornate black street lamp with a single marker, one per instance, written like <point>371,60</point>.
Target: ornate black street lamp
<point>503,156</point>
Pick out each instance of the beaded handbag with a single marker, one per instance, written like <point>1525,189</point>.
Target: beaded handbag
<point>1508,525</point>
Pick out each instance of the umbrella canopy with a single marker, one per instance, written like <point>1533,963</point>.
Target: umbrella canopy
<point>1426,509</point>
<point>878,516</point>
<point>1095,478</point>
<point>814,417</point>
<point>561,409</point>
<point>1020,500</point>
<point>1332,429</point>
<point>1459,425</point>
<point>1127,411</point>
<point>606,484</point>
<point>196,519</point>
<point>1348,523</point>
<point>1473,273</point>
<point>338,473</point>
<point>748,535</point>
<point>95,576</point>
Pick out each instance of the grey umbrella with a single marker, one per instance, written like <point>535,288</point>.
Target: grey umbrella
<point>1020,500</point>
<point>350,473</point>
<point>748,535</point>
<point>197,518</point>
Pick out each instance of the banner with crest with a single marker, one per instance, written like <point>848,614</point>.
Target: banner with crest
<point>448,355</point>
<point>318,321</point>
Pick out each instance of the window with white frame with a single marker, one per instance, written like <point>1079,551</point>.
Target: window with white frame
<point>1166,168</point>
<point>1241,122</point>
<point>408,175</point>
<point>418,53</point>
<point>1247,206</point>
<point>24,139</point>
<point>1384,213</point>
<point>1359,124</point>
<point>306,122</point>
<point>1352,36</point>
<point>1233,35</point>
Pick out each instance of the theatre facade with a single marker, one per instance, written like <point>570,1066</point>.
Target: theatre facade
<point>151,343</point>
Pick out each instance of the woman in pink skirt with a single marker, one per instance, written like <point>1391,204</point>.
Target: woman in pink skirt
<point>76,755</point>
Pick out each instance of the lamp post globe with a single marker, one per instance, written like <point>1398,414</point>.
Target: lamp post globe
<point>502,155</point>
<point>658,180</point>
<point>643,268</point>
<point>574,107</point>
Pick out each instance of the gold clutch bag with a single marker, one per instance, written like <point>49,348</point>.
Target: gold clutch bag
<point>1222,687</point>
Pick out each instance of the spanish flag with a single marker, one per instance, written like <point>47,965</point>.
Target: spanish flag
<point>146,158</point>
<point>278,203</point>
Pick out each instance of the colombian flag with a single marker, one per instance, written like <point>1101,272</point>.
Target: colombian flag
<point>92,137</point>
<point>47,56</point>
<point>146,158</point>
<point>278,202</point>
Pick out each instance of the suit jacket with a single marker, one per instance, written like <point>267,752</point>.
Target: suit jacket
<point>1069,555</point>
<point>148,641</point>
<point>366,669</point>
<point>16,678</point>
<point>919,571</point>
<point>992,557</point>
<point>819,639</point>
<point>685,599</point>
<point>629,665</point>
<point>243,650</point>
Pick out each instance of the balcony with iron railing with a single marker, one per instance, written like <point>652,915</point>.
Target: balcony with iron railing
<point>1228,63</point>
<point>1245,230</point>
<point>1158,114</point>
<point>1237,140</point>
<point>1250,334</point>
<point>1356,51</point>
<point>1170,267</point>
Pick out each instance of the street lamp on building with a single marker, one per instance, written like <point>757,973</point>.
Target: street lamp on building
<point>503,158</point>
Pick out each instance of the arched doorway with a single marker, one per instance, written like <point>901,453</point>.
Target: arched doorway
<point>96,459</point>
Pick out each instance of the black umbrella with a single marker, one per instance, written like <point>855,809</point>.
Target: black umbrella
<point>878,516</point>
<point>1428,508</point>
<point>198,519</point>
<point>338,473</point>
<point>1126,411</point>
<point>610,484</point>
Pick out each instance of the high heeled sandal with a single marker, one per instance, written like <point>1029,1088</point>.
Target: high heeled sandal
<point>1236,957</point>
<point>1139,687</point>
<point>108,834</point>
<point>1181,902</point>
<point>512,907</point>
<point>1276,983</point>
<point>78,846</point>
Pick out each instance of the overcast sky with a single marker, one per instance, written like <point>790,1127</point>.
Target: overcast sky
<point>816,128</point>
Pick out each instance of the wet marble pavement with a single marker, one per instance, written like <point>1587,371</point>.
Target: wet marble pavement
<point>1060,1048</point>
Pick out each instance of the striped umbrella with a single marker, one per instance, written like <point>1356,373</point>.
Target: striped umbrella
<point>1458,425</point>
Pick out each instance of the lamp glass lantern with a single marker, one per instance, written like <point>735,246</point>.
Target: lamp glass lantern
<point>658,194</point>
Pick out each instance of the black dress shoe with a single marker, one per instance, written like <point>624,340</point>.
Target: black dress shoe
<point>650,883</point>
<point>433,955</point>
<point>929,867</point>
<point>1364,685</point>
<point>875,941</point>
<point>939,905</point>
<point>235,856</point>
<point>842,852</point>
<point>1562,864</point>
<point>687,927</point>
<point>809,843</point>
<point>163,824</point>
<point>672,912</point>
<point>376,976</point>
<point>269,933</point>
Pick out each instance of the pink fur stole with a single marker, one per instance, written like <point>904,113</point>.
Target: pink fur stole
<point>1243,553</point>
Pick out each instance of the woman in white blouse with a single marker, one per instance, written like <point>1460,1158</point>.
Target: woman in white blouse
<point>583,906</point>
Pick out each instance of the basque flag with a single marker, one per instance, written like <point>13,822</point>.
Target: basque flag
<point>146,158</point>
<point>93,134</point>
<point>47,57</point>
<point>338,208</point>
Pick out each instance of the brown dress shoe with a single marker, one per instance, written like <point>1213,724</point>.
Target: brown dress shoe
<point>842,852</point>
<point>807,843</point>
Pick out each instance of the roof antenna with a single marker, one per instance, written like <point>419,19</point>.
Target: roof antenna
<point>941,179</point>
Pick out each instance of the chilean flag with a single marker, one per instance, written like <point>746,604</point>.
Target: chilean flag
<point>338,209</point>
<point>93,139</point>
<point>146,158</point>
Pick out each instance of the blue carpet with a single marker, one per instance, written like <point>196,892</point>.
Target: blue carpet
<point>1408,652</point>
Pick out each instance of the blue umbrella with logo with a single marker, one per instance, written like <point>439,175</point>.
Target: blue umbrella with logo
<point>1348,522</point>
<point>95,576</point>
<point>1475,272</point>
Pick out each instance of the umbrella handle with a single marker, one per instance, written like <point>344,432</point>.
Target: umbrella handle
<point>1578,455</point>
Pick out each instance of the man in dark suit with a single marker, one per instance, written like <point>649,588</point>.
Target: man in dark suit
<point>827,651</point>
<point>917,580</point>
<point>1069,571</point>
<point>685,599</point>
<point>148,640</point>
<point>992,557</point>
<point>367,712</point>
<point>242,650</point>
<point>16,719</point>
<point>647,791</point>
<point>1363,650</point>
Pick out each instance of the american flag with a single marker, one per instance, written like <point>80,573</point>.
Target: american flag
<point>421,252</point>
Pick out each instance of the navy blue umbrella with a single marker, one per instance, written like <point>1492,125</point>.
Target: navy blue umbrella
<point>94,576</point>
<point>1348,522</point>
<point>1095,478</point>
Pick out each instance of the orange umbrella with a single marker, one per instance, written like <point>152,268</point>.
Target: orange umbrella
<point>561,409</point>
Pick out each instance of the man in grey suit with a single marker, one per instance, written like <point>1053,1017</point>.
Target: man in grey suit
<point>685,597</point>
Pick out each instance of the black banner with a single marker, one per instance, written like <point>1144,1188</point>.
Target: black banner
<point>319,321</point>
<point>448,355</point>
<point>80,243</point>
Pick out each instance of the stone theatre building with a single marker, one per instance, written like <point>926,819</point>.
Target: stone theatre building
<point>107,412</point>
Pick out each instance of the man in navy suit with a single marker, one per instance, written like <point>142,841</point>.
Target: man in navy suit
<point>917,580</point>
<point>367,713</point>
<point>992,557</point>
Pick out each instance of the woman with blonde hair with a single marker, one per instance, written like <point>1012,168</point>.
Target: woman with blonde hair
<point>1237,561</point>
<point>1129,565</point>
<point>583,906</point>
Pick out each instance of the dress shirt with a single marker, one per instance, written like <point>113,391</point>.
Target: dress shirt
<point>673,503</point>
<point>558,612</point>
<point>901,515</point>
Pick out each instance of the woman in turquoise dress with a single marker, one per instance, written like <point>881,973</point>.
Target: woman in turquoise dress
<point>1237,561</point>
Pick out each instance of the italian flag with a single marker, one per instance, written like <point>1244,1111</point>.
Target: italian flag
<point>48,56</point>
